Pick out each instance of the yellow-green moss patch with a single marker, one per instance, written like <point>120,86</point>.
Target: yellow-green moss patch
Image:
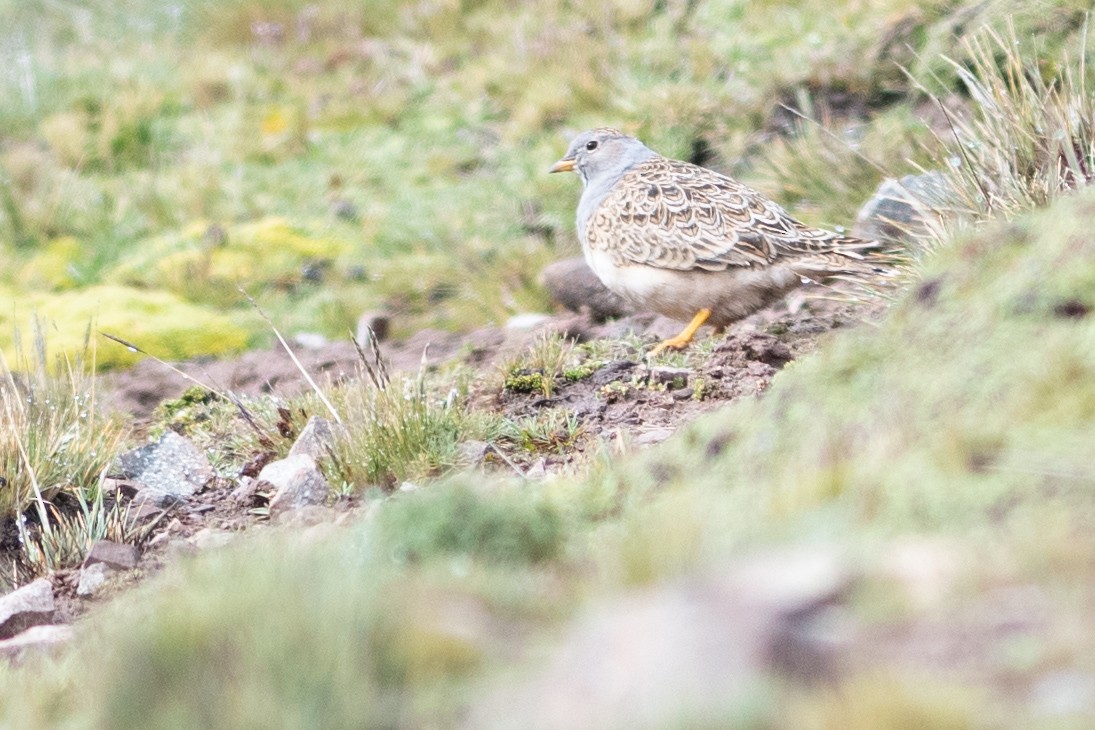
<point>51,266</point>
<point>158,322</point>
<point>209,261</point>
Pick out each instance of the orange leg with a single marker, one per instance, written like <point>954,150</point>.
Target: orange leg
<point>681,341</point>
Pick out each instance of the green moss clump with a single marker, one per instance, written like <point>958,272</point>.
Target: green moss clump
<point>157,322</point>
<point>581,372</point>
<point>524,381</point>
<point>186,411</point>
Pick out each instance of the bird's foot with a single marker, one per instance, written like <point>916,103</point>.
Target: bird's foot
<point>681,341</point>
<point>673,343</point>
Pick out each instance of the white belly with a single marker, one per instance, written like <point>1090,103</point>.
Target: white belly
<point>730,294</point>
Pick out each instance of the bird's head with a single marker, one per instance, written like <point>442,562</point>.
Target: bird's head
<point>602,153</point>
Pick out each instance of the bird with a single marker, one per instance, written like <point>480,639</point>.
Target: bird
<point>691,243</point>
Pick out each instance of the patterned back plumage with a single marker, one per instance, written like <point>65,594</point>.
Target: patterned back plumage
<point>676,215</point>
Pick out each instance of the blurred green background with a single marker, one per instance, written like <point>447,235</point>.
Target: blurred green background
<point>336,157</point>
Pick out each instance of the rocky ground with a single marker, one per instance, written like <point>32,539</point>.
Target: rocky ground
<point>627,403</point>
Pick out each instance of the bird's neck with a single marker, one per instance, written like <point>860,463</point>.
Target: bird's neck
<point>595,189</point>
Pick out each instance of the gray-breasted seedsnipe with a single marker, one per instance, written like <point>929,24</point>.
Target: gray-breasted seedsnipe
<point>684,241</point>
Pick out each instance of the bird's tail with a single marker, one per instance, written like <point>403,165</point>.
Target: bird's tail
<point>874,263</point>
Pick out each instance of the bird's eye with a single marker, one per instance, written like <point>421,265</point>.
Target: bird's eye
<point>591,145</point>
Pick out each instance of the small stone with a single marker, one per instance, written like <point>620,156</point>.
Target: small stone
<point>159,538</point>
<point>209,538</point>
<point>92,578</point>
<point>768,350</point>
<point>155,498</point>
<point>538,470</point>
<point>473,453</point>
<point>310,340</point>
<point>307,516</point>
<point>370,324</point>
<point>409,487</point>
<point>34,640</point>
<point>612,372</point>
<point>173,465</point>
<point>661,328</point>
<point>671,377</point>
<point>140,513</point>
<point>31,605</point>
<point>315,439</point>
<point>122,487</point>
<point>651,437</point>
<point>344,209</point>
<point>113,554</point>
<point>526,321</point>
<point>298,482</point>
<point>246,490</point>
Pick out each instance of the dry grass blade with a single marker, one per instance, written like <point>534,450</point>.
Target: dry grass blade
<point>373,364</point>
<point>1029,135</point>
<point>293,356</point>
<point>249,418</point>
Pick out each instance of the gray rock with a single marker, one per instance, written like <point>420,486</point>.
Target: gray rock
<point>173,465</point>
<point>31,605</point>
<point>298,482</point>
<point>246,490</point>
<point>344,209</point>
<point>114,554</point>
<point>314,440</point>
<point>572,284</point>
<point>35,640</point>
<point>902,210</point>
<point>92,578</point>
